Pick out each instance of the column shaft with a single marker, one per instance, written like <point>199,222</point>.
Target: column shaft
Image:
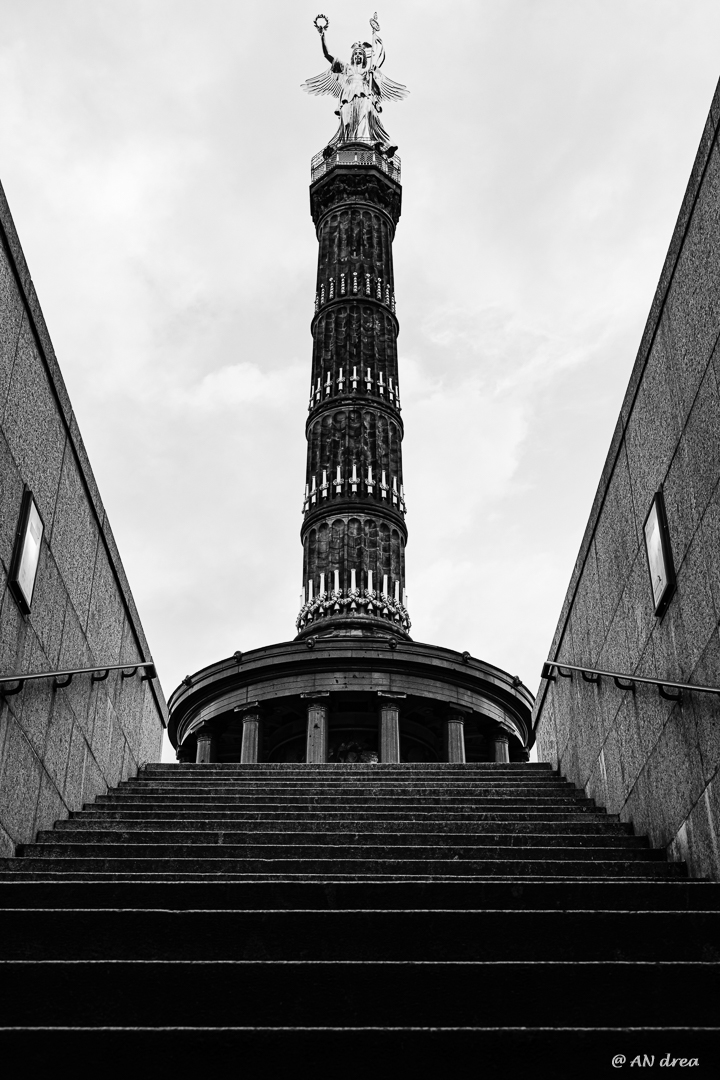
<point>317,733</point>
<point>389,733</point>
<point>205,753</point>
<point>250,739</point>
<point>502,749</point>
<point>455,738</point>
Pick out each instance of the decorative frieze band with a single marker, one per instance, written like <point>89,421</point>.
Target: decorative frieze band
<point>353,601</point>
<point>360,285</point>
<point>314,492</point>
<point>384,386</point>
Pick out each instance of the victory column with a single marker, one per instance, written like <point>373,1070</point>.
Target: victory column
<point>353,686</point>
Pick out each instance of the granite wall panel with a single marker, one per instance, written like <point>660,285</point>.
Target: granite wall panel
<point>638,613</point>
<point>128,703</point>
<point>20,773</point>
<point>616,542</point>
<point>150,736</point>
<point>75,772</point>
<point>82,693</point>
<point>706,710</point>
<point>697,840</point>
<point>50,807</point>
<point>715,362</point>
<point>11,490</point>
<point>679,504</point>
<point>48,612</point>
<point>35,706</point>
<point>106,613</point>
<point>549,749</point>
<point>32,426</point>
<point>702,443</point>
<point>695,603</point>
<point>564,701</point>
<point>116,749</point>
<point>12,309</point>
<point>588,626</point>
<point>709,535</point>
<point>101,739</point>
<point>59,746</point>
<point>75,538</point>
<point>652,438</point>
<point>653,761</point>
<point>16,634</point>
<point>93,782</point>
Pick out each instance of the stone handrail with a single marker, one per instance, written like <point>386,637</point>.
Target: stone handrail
<point>594,675</point>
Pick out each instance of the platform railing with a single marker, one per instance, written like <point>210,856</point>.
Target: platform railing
<point>324,162</point>
<point>99,673</point>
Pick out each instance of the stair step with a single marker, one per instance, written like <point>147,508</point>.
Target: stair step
<point>125,993</point>
<point>390,847</point>
<point>81,829</point>
<point>351,934</point>
<point>332,893</point>
<point>307,843</point>
<point>368,784</point>
<point>589,817</point>
<point>406,768</point>
<point>496,866</point>
<point>341,790</point>
<point>412,1049</point>
<point>359,803</point>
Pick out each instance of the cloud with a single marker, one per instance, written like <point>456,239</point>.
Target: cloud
<point>156,158</point>
<point>507,354</point>
<point>242,384</point>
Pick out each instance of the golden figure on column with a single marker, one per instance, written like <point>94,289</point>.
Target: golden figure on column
<point>361,87</point>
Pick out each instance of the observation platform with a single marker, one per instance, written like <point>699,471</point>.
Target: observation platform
<point>354,154</point>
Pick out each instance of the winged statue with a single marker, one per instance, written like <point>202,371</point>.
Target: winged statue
<point>361,88</point>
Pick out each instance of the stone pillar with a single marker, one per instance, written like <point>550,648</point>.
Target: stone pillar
<point>251,715</point>
<point>389,733</point>
<point>206,746</point>
<point>502,748</point>
<point>317,730</point>
<point>185,754</point>
<point>455,738</point>
<point>249,751</point>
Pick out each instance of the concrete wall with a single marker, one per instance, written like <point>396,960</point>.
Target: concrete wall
<point>653,761</point>
<point>59,747</point>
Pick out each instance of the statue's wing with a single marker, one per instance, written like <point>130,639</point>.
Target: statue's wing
<point>389,89</point>
<point>326,82</point>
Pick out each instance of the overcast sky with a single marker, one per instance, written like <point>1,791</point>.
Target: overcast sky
<point>156,156</point>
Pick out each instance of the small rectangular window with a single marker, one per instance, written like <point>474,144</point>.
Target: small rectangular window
<point>26,554</point>
<point>659,555</point>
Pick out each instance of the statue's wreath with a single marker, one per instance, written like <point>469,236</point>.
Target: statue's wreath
<point>321,27</point>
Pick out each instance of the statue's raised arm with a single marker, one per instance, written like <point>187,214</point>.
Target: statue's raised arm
<point>321,27</point>
<point>378,49</point>
<point>361,87</point>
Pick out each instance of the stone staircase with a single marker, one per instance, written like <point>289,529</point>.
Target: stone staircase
<point>354,919</point>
